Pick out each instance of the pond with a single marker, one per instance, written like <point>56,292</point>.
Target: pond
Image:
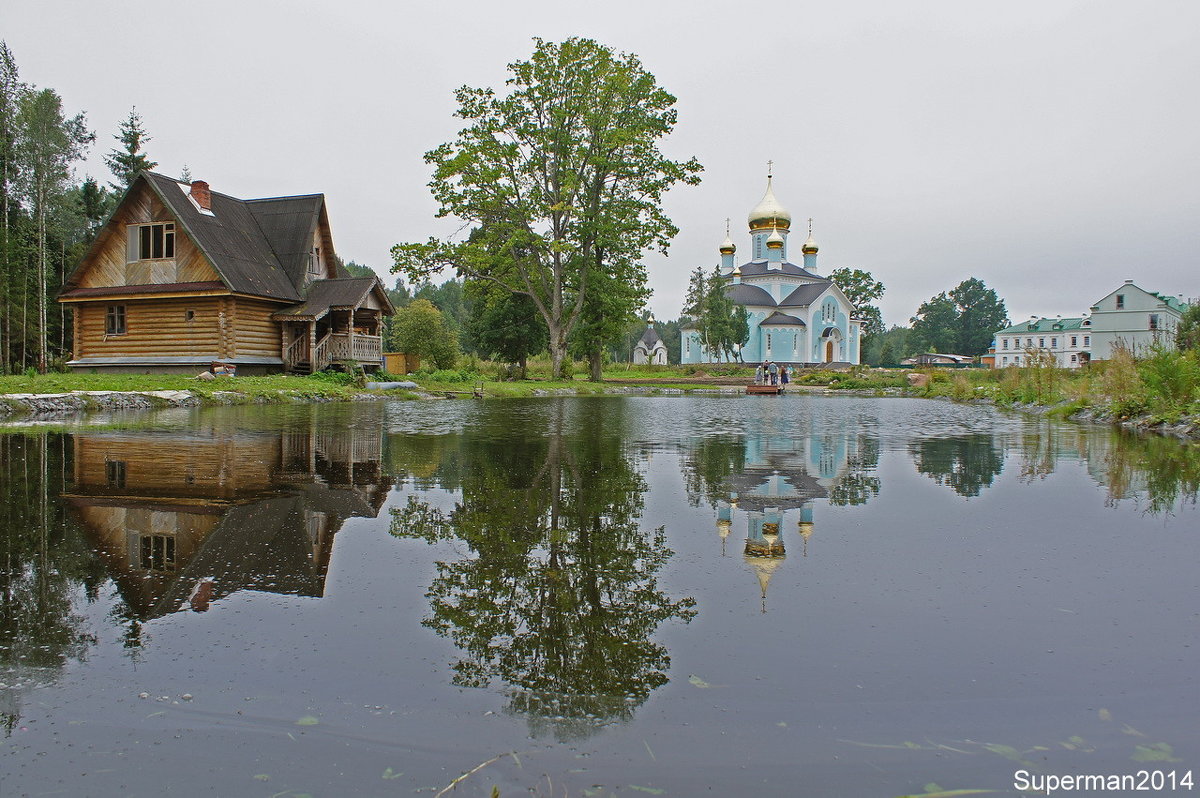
<point>750,596</point>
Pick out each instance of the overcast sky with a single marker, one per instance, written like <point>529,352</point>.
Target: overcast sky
<point>1048,148</point>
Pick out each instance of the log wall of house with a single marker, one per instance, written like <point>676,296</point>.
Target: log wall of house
<point>156,326</point>
<point>256,334</point>
<point>224,467</point>
<point>109,267</point>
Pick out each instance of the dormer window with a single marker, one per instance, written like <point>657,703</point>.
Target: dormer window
<point>152,241</point>
<point>314,261</point>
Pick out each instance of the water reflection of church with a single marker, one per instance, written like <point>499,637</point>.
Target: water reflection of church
<point>185,518</point>
<point>772,492</point>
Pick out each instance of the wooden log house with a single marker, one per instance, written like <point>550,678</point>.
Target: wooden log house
<point>182,276</point>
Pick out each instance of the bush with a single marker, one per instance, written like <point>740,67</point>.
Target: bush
<point>1172,380</point>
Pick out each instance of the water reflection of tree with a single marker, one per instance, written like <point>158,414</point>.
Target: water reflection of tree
<point>966,464</point>
<point>858,484</point>
<point>44,563</point>
<point>560,599</point>
<point>710,464</point>
<point>1166,470</point>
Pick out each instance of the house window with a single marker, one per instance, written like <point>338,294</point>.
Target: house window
<point>1074,358</point>
<point>1120,301</point>
<point>1005,360</point>
<point>1153,321</point>
<point>158,552</point>
<point>1029,343</point>
<point>114,473</point>
<point>114,320</point>
<point>768,342</point>
<point>314,261</point>
<point>1087,340</point>
<point>155,241</point>
<point>1005,344</point>
<point>1074,340</point>
<point>1041,343</point>
<point>1054,343</point>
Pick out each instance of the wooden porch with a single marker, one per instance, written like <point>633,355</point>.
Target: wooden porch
<point>339,323</point>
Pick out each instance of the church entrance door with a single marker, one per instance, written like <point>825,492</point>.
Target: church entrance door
<point>829,351</point>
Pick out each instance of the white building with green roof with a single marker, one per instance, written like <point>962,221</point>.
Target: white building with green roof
<point>1135,318</point>
<point>1067,339</point>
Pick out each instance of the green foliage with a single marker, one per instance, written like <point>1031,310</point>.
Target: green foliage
<point>1171,379</point>
<point>128,160</point>
<point>420,329</point>
<point>862,289</point>
<point>563,178</point>
<point>1187,334</point>
<point>961,322</point>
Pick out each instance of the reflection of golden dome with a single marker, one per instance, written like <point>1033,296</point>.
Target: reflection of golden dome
<point>769,213</point>
<point>764,568</point>
<point>723,526</point>
<point>806,529</point>
<point>774,241</point>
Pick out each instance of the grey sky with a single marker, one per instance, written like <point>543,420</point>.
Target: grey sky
<point>1047,148</point>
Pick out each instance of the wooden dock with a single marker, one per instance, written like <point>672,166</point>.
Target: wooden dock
<point>764,389</point>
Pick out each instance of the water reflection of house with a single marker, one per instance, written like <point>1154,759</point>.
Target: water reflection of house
<point>191,517</point>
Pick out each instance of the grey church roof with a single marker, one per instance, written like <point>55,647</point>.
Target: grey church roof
<point>758,268</point>
<point>745,294</point>
<point>778,319</point>
<point>650,338</point>
<point>805,295</point>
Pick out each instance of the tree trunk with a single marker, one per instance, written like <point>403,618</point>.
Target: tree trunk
<point>596,359</point>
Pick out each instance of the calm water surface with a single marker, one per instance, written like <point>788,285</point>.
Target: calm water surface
<point>739,596</point>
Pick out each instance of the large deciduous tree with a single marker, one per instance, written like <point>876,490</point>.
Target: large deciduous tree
<point>126,161</point>
<point>563,178</point>
<point>962,321</point>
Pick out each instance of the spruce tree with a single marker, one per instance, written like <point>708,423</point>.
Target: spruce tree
<point>126,163</point>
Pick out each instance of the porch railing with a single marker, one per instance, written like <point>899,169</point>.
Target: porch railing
<point>366,348</point>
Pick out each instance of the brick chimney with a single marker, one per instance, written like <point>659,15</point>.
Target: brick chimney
<point>201,194</point>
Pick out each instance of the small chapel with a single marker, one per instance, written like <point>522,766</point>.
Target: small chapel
<point>796,316</point>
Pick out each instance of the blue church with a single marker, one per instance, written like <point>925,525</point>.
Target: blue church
<point>796,316</point>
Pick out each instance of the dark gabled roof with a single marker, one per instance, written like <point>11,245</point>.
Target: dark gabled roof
<point>804,296</point>
<point>650,338</point>
<point>778,319</point>
<point>347,292</point>
<point>288,224</point>
<point>232,240</point>
<point>745,294</point>
<point>757,268</point>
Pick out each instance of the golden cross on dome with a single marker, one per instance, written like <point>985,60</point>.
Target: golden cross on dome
<point>810,226</point>
<point>727,226</point>
<point>770,164</point>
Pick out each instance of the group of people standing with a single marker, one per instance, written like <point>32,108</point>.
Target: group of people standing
<point>771,373</point>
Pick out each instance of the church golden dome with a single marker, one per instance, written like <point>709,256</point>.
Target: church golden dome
<point>769,213</point>
<point>727,246</point>
<point>775,241</point>
<point>810,246</point>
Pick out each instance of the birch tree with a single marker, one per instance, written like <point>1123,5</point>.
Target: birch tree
<point>48,145</point>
